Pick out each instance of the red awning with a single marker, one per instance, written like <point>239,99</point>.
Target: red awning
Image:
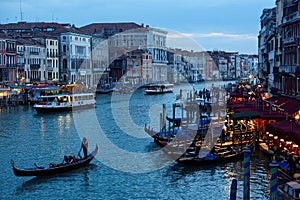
<point>285,129</point>
<point>264,114</point>
<point>291,106</point>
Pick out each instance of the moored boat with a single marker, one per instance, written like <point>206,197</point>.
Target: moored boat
<point>159,88</point>
<point>103,91</point>
<point>64,102</point>
<point>54,168</point>
<point>227,155</point>
<point>289,190</point>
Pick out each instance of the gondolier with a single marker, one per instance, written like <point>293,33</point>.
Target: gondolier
<point>84,147</point>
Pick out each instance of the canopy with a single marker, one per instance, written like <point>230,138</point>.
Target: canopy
<point>244,115</point>
<point>285,129</point>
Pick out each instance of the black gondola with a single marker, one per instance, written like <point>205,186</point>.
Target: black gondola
<point>227,157</point>
<point>54,168</point>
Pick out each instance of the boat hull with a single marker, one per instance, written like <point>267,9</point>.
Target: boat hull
<point>157,92</point>
<point>104,91</point>
<point>202,161</point>
<point>61,109</point>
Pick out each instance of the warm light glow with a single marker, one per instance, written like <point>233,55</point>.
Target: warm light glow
<point>281,140</point>
<point>275,137</point>
<point>288,142</point>
<point>295,145</point>
<point>297,117</point>
<point>270,135</point>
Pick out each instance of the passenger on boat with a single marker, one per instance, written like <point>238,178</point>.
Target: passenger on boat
<point>292,164</point>
<point>84,147</point>
<point>65,160</point>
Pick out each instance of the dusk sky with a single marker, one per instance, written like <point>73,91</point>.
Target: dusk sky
<point>229,25</point>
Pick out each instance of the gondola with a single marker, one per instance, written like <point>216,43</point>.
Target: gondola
<point>212,159</point>
<point>104,91</point>
<point>54,168</point>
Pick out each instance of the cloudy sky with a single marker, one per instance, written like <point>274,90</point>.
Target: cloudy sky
<point>229,25</point>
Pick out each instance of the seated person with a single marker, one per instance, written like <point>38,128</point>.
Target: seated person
<point>65,160</point>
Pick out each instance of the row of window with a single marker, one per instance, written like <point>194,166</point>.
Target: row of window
<point>10,46</point>
<point>76,38</point>
<point>6,59</point>
<point>52,42</point>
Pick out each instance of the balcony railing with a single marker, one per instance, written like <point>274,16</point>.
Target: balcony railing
<point>34,53</point>
<point>288,69</point>
<point>288,40</point>
<point>11,65</point>
<point>35,66</point>
<point>291,17</point>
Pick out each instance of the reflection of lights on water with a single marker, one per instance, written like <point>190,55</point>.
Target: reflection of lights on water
<point>63,122</point>
<point>42,127</point>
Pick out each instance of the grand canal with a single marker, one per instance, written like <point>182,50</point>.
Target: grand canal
<point>28,138</point>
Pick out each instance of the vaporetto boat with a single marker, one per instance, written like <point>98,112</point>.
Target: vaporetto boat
<point>65,102</point>
<point>159,88</point>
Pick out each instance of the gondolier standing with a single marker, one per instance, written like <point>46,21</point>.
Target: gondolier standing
<point>84,146</point>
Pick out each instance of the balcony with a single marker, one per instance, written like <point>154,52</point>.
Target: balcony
<point>288,69</point>
<point>11,66</point>
<point>11,50</point>
<point>34,53</point>
<point>288,40</point>
<point>291,17</point>
<point>34,66</point>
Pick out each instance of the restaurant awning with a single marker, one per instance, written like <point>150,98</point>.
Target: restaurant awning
<point>288,104</point>
<point>285,129</point>
<point>244,115</point>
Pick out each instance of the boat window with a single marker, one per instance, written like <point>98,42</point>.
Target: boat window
<point>291,191</point>
<point>297,194</point>
<point>285,188</point>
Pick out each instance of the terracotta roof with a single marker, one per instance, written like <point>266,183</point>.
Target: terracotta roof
<point>23,41</point>
<point>96,28</point>
<point>34,27</point>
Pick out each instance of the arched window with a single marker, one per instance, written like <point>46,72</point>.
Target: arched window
<point>65,64</point>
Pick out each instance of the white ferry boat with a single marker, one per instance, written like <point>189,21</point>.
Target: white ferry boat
<point>159,88</point>
<point>64,102</point>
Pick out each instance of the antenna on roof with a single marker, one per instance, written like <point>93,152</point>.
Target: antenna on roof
<point>21,13</point>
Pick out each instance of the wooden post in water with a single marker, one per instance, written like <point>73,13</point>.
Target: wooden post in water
<point>233,189</point>
<point>247,152</point>
<point>164,118</point>
<point>273,181</point>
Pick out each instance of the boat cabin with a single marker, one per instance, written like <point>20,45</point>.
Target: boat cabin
<point>290,190</point>
<point>159,88</point>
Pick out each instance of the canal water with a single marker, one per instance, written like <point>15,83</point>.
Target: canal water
<point>128,166</point>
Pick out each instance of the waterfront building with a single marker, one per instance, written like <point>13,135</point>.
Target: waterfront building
<point>196,64</point>
<point>52,57</point>
<point>267,46</point>
<point>223,67</point>
<point>100,32</point>
<point>290,66</point>
<point>232,58</point>
<point>279,54</point>
<point>100,61</point>
<point>176,65</point>
<point>151,40</point>
<point>75,58</point>
<point>8,59</point>
<point>32,60</point>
